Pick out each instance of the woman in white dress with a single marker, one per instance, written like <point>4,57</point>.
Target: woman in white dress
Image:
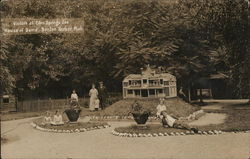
<point>93,93</point>
<point>47,119</point>
<point>57,119</point>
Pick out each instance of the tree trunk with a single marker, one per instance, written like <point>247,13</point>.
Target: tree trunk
<point>189,94</point>
<point>201,99</point>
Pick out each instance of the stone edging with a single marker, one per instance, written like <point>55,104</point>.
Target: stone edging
<point>36,126</point>
<point>117,117</point>
<point>210,132</point>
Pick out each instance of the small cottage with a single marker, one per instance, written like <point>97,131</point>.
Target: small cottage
<point>8,103</point>
<point>149,84</point>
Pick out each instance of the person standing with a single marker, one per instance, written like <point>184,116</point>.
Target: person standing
<point>182,94</point>
<point>102,95</point>
<point>93,93</point>
<point>74,99</point>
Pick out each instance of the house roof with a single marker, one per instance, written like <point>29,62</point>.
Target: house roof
<point>150,74</point>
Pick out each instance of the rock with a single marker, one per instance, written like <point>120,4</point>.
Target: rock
<point>165,134</point>
<point>210,132</point>
<point>161,134</point>
<point>182,133</point>
<point>188,132</point>
<point>155,134</point>
<point>204,132</point>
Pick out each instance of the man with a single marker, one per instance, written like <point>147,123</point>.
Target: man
<point>102,95</point>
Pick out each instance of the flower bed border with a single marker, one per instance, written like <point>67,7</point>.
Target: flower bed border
<point>36,126</point>
<point>193,116</point>
<point>210,132</point>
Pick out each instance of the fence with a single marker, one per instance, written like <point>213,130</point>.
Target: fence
<point>43,105</point>
<point>50,104</point>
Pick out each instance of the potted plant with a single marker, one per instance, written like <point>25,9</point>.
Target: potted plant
<point>73,112</point>
<point>139,113</point>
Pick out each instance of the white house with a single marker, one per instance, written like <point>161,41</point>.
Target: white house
<point>149,84</point>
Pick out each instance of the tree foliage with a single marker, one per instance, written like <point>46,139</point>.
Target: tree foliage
<point>189,39</point>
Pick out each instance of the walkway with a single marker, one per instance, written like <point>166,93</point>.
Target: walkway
<point>28,143</point>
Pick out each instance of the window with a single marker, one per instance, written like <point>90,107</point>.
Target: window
<point>137,93</point>
<point>151,92</point>
<point>161,81</point>
<point>166,83</point>
<point>5,100</point>
<point>125,84</point>
<point>144,81</point>
<point>159,91</point>
<point>129,82</point>
<point>130,91</point>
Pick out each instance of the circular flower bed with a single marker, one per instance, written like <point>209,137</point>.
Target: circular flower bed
<point>154,130</point>
<point>68,127</point>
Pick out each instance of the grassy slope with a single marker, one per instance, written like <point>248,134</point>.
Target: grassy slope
<point>174,106</point>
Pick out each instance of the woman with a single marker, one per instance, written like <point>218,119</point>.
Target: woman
<point>93,93</point>
<point>47,118</point>
<point>74,99</point>
<point>57,119</point>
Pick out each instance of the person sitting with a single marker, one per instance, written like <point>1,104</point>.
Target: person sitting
<point>57,119</point>
<point>47,119</point>
<point>170,121</point>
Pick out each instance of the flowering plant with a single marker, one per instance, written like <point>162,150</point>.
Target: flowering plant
<point>137,108</point>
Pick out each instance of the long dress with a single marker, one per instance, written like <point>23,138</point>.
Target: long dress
<point>93,93</point>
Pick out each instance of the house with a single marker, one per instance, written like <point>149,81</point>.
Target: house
<point>8,103</point>
<point>213,86</point>
<point>149,84</point>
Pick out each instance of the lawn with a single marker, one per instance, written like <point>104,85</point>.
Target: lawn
<point>175,106</point>
<point>237,120</point>
<point>151,128</point>
<point>68,126</point>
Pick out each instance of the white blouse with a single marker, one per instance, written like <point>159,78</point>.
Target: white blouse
<point>160,108</point>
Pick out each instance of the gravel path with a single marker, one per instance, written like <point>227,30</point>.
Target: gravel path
<point>28,143</point>
<point>209,118</point>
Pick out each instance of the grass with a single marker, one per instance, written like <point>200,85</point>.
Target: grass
<point>175,106</point>
<point>151,128</point>
<point>19,115</point>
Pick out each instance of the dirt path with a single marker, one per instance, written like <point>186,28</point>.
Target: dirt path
<point>209,118</point>
<point>26,142</point>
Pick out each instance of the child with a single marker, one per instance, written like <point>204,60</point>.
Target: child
<point>57,120</point>
<point>97,104</point>
<point>47,118</point>
<point>168,120</point>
